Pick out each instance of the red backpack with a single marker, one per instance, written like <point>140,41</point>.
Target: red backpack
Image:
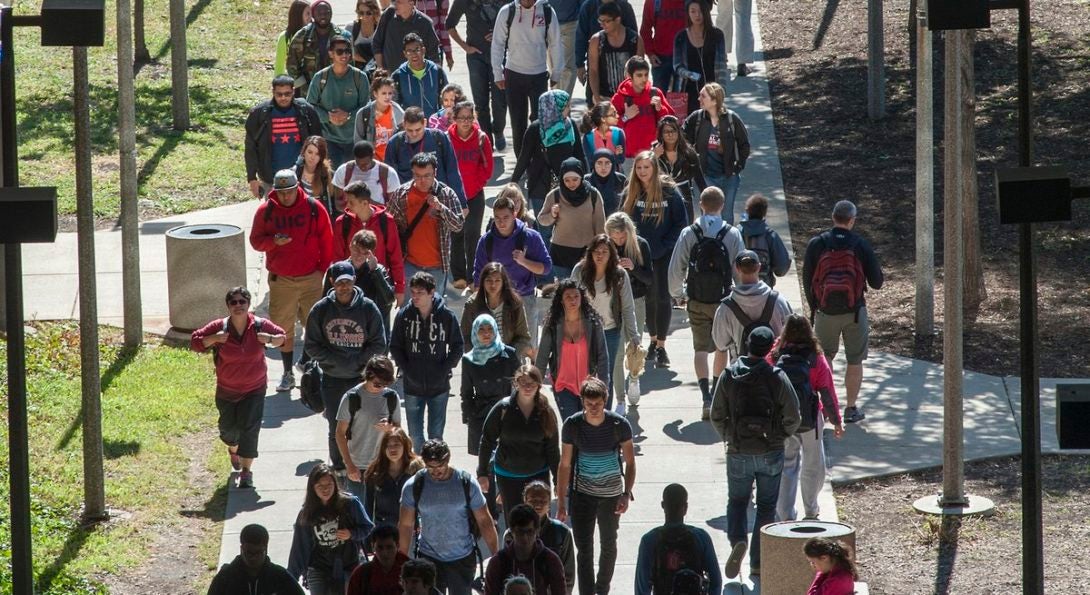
<point>839,280</point>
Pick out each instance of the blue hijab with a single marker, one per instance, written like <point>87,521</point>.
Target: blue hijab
<point>480,353</point>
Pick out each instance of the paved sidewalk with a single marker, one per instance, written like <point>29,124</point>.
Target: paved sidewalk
<point>902,397</point>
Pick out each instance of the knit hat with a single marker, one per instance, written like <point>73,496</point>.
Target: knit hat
<point>285,179</point>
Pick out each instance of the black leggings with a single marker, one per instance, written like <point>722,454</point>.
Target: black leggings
<point>659,308</point>
<point>511,490</point>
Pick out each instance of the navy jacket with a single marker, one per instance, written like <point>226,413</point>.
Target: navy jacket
<point>399,155</point>
<point>426,349</point>
<point>661,237</point>
<point>303,542</point>
<point>342,339</point>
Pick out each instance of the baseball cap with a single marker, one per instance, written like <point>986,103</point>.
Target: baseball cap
<point>341,271</point>
<point>747,257</point>
<point>285,180</point>
<point>760,341</point>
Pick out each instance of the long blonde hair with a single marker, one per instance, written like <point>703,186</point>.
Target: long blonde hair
<point>620,221</point>
<point>654,199</point>
<point>512,191</point>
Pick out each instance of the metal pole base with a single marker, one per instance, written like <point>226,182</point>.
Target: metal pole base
<point>972,506</point>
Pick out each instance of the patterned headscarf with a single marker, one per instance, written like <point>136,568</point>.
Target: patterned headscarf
<point>480,354</point>
<point>555,128</point>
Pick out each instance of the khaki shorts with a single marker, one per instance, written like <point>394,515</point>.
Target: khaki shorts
<point>830,327</point>
<point>701,316</point>
<point>291,298</point>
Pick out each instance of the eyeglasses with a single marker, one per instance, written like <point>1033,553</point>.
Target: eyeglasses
<point>527,383</point>
<point>239,302</point>
<point>416,50</point>
<point>284,94</point>
<point>342,51</point>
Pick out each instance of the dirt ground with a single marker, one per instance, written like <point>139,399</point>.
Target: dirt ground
<point>901,552</point>
<point>816,57</point>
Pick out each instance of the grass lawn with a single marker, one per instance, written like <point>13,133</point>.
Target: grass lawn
<point>231,44</point>
<point>155,402</point>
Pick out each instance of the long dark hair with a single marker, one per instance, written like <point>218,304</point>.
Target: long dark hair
<point>706,9</point>
<point>321,171</point>
<point>797,332</point>
<point>594,117</point>
<point>590,270</point>
<point>511,299</point>
<point>379,467</point>
<point>313,509</point>
<point>683,147</point>
<point>556,309</point>
<point>295,18</point>
<point>838,552</point>
<point>541,404</point>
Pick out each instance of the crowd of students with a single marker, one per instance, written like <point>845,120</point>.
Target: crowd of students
<point>371,166</point>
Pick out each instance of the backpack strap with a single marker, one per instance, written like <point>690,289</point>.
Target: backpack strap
<point>346,228</point>
<point>722,233</point>
<point>770,305</point>
<point>383,177</point>
<point>354,404</point>
<point>740,314</point>
<point>417,219</point>
<point>391,404</point>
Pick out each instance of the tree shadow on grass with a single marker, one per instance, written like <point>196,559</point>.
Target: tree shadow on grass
<point>72,546</point>
<point>190,18</point>
<point>124,358</point>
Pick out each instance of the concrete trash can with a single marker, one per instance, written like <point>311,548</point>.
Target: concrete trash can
<point>203,262</point>
<point>784,567</point>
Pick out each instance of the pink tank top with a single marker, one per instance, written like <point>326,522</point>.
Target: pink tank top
<point>572,364</point>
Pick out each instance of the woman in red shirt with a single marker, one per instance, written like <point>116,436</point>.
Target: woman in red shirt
<point>474,152</point>
<point>238,345</point>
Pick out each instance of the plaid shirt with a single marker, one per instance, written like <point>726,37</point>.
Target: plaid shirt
<point>450,215</point>
<point>436,10</point>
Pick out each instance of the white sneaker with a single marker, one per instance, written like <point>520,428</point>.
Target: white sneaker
<point>287,382</point>
<point>621,409</point>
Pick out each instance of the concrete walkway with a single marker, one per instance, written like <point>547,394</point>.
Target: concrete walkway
<point>902,397</point>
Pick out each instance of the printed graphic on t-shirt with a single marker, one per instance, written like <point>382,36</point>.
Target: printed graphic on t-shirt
<point>713,141</point>
<point>345,332</point>
<point>285,130</point>
<point>326,532</point>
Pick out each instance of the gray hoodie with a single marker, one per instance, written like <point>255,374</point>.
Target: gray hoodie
<point>727,330</point>
<point>746,370</point>
<point>343,338</point>
<point>679,262</point>
<point>528,41</point>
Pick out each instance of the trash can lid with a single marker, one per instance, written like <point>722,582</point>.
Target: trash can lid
<point>807,529</point>
<point>203,231</point>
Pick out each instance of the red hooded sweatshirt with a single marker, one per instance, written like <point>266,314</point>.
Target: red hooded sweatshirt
<point>640,131</point>
<point>662,19</point>
<point>240,362</point>
<point>474,158</point>
<point>387,246</point>
<point>311,245</point>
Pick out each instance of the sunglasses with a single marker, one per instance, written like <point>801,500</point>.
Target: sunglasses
<point>342,51</point>
<point>238,302</point>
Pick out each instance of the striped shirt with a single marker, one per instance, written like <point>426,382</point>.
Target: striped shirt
<point>598,459</point>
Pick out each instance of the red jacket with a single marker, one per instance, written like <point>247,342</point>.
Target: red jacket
<point>640,131</point>
<point>388,245</point>
<point>379,582</point>
<point>666,17</point>
<point>240,362</point>
<point>311,245</point>
<point>837,582</point>
<point>474,158</point>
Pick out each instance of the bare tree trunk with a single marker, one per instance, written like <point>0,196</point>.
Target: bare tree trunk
<point>975,291</point>
<point>876,62</point>
<point>143,56</point>
<point>94,488</point>
<point>130,221</point>
<point>925,183</point>
<point>179,66</point>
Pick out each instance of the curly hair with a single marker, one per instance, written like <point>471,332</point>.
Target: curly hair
<point>556,308</point>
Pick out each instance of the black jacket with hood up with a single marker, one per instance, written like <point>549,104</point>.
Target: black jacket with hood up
<point>233,579</point>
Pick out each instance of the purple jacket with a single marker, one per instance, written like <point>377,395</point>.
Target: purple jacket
<point>494,247</point>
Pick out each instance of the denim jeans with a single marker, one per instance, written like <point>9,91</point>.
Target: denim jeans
<point>437,417</point>
<point>320,583</point>
<point>662,74</point>
<point>332,391</point>
<point>729,185</point>
<point>529,306</point>
<point>357,488</point>
<point>568,403</point>
<point>339,153</point>
<point>454,577</point>
<point>613,340</point>
<point>492,115</point>
<point>742,472</point>
<point>546,231</point>
<point>586,511</point>
<point>439,274</point>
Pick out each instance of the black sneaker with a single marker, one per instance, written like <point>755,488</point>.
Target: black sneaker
<point>661,359</point>
<point>734,560</point>
<point>651,349</point>
<point>245,479</point>
<point>853,414</point>
<point>743,70</point>
<point>501,143</point>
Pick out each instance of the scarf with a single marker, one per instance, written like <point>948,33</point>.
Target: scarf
<point>555,128</point>
<point>610,184</point>
<point>481,353</point>
<point>580,194</point>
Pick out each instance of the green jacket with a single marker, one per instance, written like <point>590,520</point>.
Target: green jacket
<point>303,59</point>
<point>329,92</point>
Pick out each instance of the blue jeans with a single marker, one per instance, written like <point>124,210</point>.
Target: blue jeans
<point>437,417</point>
<point>613,339</point>
<point>729,185</point>
<point>742,472</point>
<point>661,74</point>
<point>439,274</point>
<point>560,273</point>
<point>339,153</point>
<point>568,402</point>
<point>357,488</point>
<point>332,391</point>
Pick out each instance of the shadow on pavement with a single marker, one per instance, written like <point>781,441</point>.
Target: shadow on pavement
<point>697,432</point>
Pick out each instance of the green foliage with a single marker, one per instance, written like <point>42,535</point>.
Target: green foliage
<point>152,399</point>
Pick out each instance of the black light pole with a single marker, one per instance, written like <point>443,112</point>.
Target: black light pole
<point>22,568</point>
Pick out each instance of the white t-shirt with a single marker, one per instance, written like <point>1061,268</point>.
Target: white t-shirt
<point>602,302</point>
<point>370,177</point>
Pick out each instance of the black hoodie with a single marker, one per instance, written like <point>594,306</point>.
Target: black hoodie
<point>426,349</point>
<point>747,370</point>
<point>343,338</point>
<point>233,579</point>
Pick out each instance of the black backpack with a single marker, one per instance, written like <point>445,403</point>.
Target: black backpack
<point>675,551</point>
<point>310,386</point>
<point>797,367</point>
<point>762,245</point>
<point>709,276</point>
<point>748,324</point>
<point>752,411</point>
<point>688,582</point>
<point>346,230</point>
<point>355,401</point>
